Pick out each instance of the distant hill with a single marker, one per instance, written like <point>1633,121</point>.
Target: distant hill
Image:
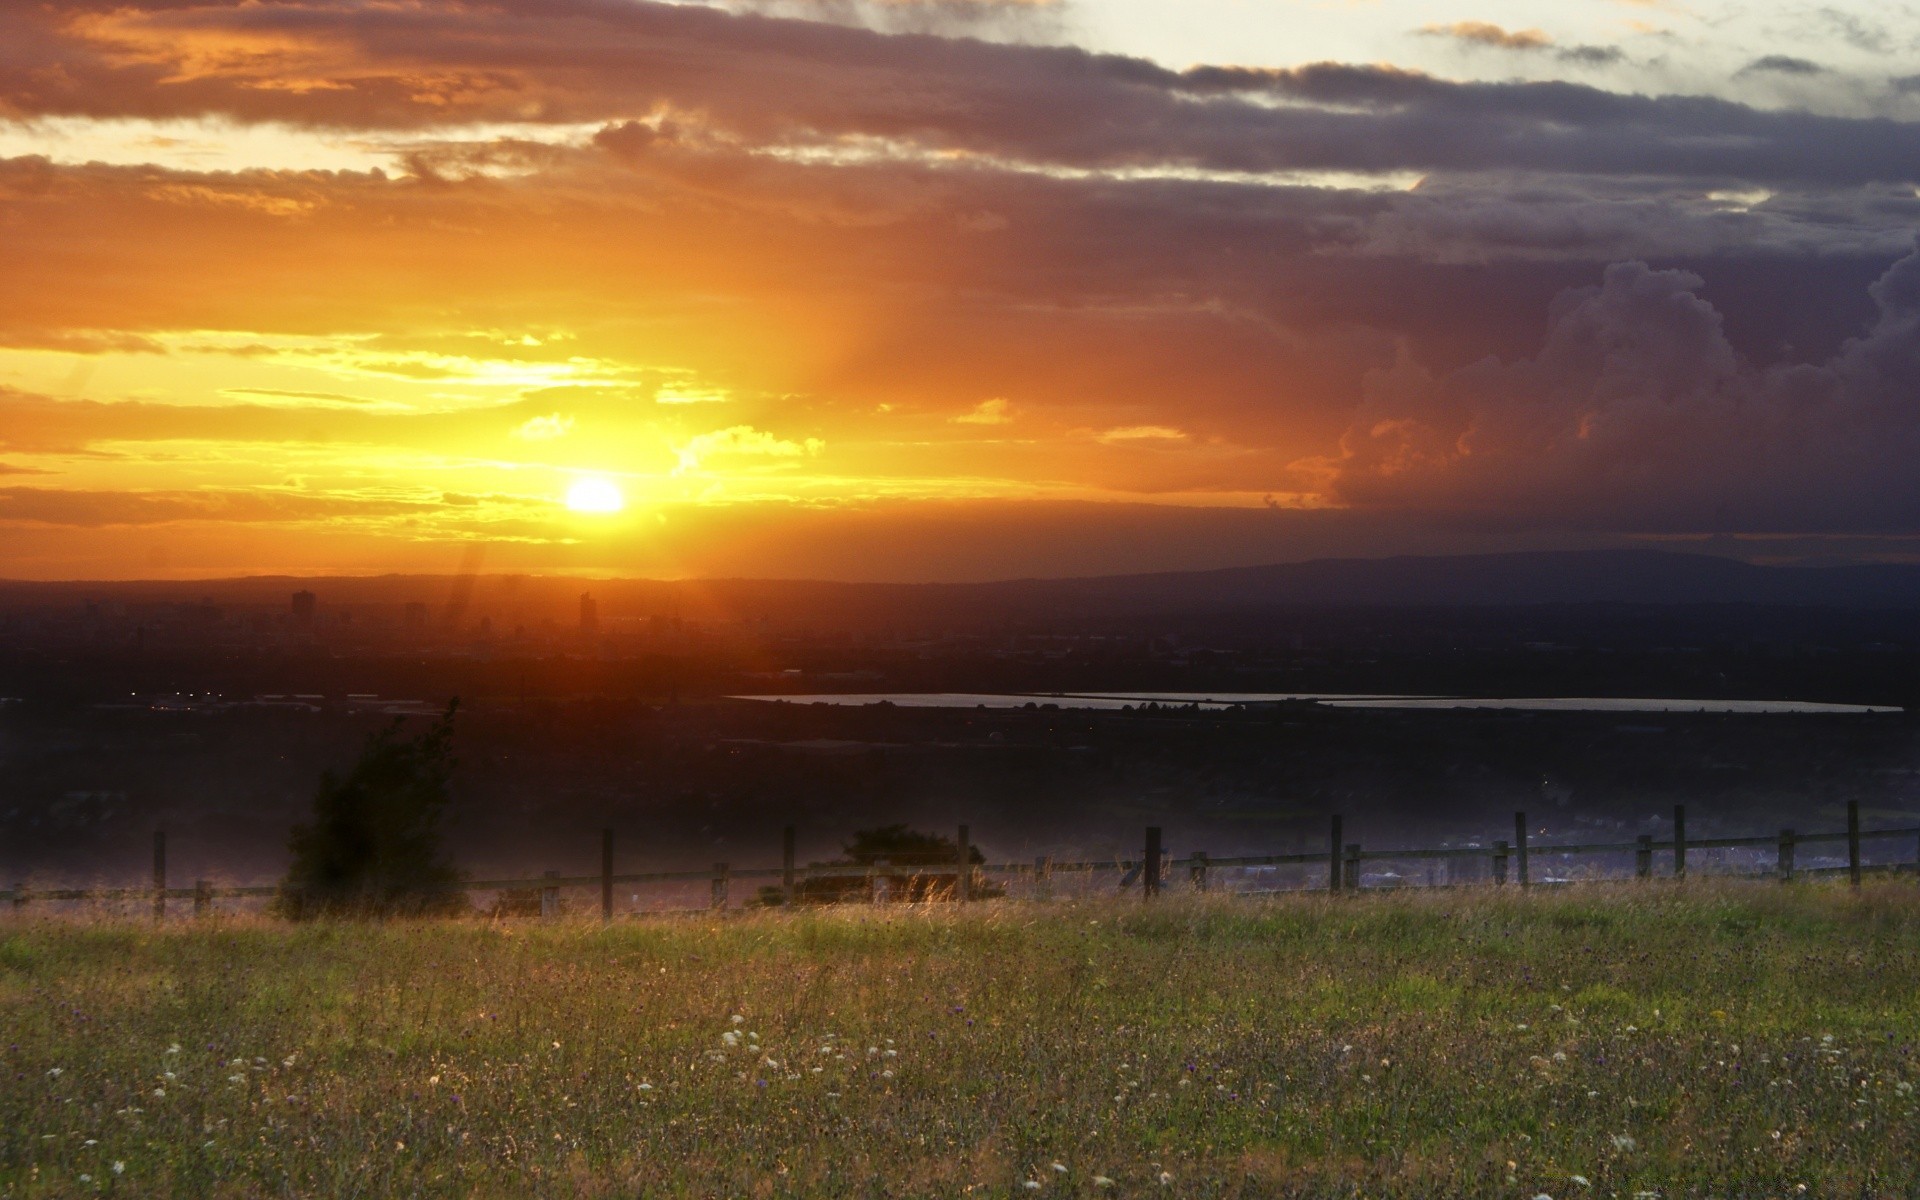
<point>1633,577</point>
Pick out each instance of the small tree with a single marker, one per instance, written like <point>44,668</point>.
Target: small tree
<point>373,846</point>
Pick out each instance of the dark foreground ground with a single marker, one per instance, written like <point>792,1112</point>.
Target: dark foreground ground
<point>1733,1040</point>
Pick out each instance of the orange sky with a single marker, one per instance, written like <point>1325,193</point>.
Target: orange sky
<point>297,287</point>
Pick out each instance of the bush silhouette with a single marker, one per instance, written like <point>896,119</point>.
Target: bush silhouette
<point>904,847</point>
<point>373,846</point>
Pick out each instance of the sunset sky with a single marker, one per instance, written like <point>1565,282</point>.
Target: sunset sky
<point>951,289</point>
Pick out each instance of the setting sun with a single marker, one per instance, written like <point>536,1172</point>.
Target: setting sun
<point>595,495</point>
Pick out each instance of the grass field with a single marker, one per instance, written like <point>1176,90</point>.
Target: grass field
<point>1736,1040</point>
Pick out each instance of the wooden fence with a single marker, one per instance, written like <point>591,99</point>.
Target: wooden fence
<point>1152,872</point>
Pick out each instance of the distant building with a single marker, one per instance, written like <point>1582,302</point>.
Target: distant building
<point>304,605</point>
<point>589,614</point>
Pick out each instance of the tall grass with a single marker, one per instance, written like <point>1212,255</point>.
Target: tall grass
<point>1710,1040</point>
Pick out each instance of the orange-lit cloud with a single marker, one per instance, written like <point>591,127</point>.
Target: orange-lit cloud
<point>354,282</point>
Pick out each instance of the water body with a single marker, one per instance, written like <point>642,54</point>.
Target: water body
<point>1215,700</point>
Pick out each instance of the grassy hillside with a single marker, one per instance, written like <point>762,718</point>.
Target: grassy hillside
<point>1732,1040</point>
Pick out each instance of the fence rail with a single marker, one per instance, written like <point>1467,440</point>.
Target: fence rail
<point>1152,871</point>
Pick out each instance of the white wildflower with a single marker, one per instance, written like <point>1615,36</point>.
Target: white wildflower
<point>1624,1141</point>
<point>1166,1178</point>
<point>174,1049</point>
<point>737,1019</point>
<point>119,1168</point>
<point>1581,1180</point>
<point>1032,1185</point>
<point>56,1072</point>
<point>1102,1181</point>
<point>1060,1167</point>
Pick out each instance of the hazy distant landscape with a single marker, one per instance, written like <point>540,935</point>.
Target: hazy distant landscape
<point>1050,720</point>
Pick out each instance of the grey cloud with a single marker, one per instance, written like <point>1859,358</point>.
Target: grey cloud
<point>1861,34</point>
<point>1592,56</point>
<point>1782,64</point>
<point>1638,414</point>
<point>763,80</point>
<point>1019,19</point>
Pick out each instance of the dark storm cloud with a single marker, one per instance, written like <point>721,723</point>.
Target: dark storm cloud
<point>1637,413</point>
<point>766,81</point>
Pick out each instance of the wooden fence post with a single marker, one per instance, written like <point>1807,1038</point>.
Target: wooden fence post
<point>550,897</point>
<point>1351,871</point>
<point>1150,869</point>
<point>1786,855</point>
<point>1643,858</point>
<point>606,875</point>
<point>787,840</point>
<point>963,871</point>
<point>1043,877</point>
<point>721,873</point>
<point>1198,871</point>
<point>159,875</point>
<point>1679,841</point>
<point>1520,846</point>
<point>1853,842</point>
<point>1333,856</point>
<point>1499,864</point>
<point>202,897</point>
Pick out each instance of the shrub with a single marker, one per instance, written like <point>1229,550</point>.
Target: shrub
<point>373,846</point>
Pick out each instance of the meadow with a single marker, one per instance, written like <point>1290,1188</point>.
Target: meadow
<point>1659,1040</point>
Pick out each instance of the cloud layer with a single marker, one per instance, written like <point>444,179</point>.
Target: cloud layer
<point>837,258</point>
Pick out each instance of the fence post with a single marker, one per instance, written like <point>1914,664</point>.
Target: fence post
<point>550,897</point>
<point>202,897</point>
<point>1198,870</point>
<point>1150,866</point>
<point>606,875</point>
<point>787,838</point>
<point>1333,856</point>
<point>721,873</point>
<point>1520,846</point>
<point>1643,858</point>
<point>19,899</point>
<point>1043,877</point>
<point>1499,864</point>
<point>1679,841</point>
<point>963,872</point>
<point>1853,842</point>
<point>1351,873</point>
<point>159,875</point>
<point>1786,855</point>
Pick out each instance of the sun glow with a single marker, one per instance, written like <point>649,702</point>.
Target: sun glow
<point>593,494</point>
